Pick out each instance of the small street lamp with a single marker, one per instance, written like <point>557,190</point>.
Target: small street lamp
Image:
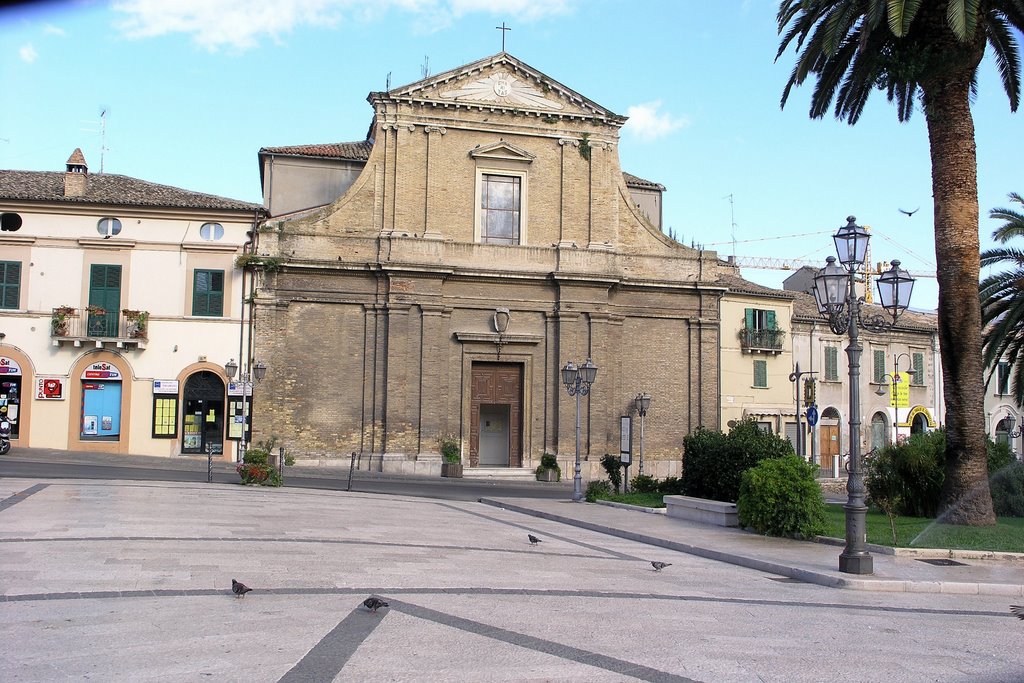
<point>894,380</point>
<point>577,381</point>
<point>1012,430</point>
<point>836,297</point>
<point>794,377</point>
<point>643,402</point>
<point>249,383</point>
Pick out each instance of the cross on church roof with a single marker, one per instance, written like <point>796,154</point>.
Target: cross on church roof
<point>502,28</point>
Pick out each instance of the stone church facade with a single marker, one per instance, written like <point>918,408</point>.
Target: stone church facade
<point>488,239</point>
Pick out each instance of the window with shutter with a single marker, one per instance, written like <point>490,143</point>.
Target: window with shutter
<point>831,364</point>
<point>105,296</point>
<point>10,284</point>
<point>879,367</point>
<point>208,293</point>
<point>761,374</point>
<point>918,378</point>
<point>1003,378</point>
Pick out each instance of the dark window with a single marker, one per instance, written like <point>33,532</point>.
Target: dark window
<point>832,363</point>
<point>500,209</point>
<point>10,222</point>
<point>1003,378</point>
<point>761,374</point>
<point>917,379</point>
<point>208,292</point>
<point>759,319</point>
<point>10,284</point>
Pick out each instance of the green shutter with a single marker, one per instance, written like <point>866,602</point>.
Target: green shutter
<point>770,316</point>
<point>760,373</point>
<point>10,284</point>
<point>831,363</point>
<point>105,292</point>
<point>208,292</point>
<point>919,377</point>
<point>879,366</point>
<point>748,318</point>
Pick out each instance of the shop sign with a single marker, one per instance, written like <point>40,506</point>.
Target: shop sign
<point>165,386</point>
<point>50,388</point>
<point>101,371</point>
<point>9,366</point>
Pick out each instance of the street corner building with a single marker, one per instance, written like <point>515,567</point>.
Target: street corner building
<point>434,278</point>
<point>118,308</point>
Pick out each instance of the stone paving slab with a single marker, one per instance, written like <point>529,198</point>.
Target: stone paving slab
<point>807,561</point>
<point>130,581</point>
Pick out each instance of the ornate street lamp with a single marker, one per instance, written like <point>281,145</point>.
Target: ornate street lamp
<point>249,383</point>
<point>577,381</point>
<point>795,377</point>
<point>894,379</point>
<point>836,297</point>
<point>642,402</point>
<point>1012,430</point>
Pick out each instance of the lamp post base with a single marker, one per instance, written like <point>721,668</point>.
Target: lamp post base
<point>856,563</point>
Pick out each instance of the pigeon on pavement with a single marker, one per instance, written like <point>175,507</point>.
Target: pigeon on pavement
<point>658,566</point>
<point>239,588</point>
<point>533,539</point>
<point>1018,610</point>
<point>372,603</point>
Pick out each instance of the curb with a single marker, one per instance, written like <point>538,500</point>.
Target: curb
<point>805,575</point>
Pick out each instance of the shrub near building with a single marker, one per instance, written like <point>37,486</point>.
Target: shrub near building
<point>780,497</point>
<point>713,463</point>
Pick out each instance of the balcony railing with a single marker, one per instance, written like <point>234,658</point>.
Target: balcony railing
<point>761,340</point>
<point>77,325</point>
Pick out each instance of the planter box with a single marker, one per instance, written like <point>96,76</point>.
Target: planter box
<point>451,469</point>
<point>702,510</point>
<point>548,475</point>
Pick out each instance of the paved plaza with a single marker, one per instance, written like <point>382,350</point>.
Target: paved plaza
<point>131,581</point>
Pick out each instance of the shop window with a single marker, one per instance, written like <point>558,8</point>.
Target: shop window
<point>165,417</point>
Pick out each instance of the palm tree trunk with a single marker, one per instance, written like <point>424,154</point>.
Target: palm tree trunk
<point>966,498</point>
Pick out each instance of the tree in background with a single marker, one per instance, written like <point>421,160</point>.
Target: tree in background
<point>1002,300</point>
<point>926,51</point>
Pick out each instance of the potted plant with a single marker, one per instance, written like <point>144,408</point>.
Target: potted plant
<point>548,469</point>
<point>451,457</point>
<point>135,323</point>
<point>59,320</point>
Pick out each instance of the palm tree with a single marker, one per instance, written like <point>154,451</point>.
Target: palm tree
<point>1002,300</point>
<point>926,51</point>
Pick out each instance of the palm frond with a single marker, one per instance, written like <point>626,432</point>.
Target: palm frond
<point>962,18</point>
<point>1001,38</point>
<point>901,15</point>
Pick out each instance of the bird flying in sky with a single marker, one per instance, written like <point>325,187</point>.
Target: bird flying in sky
<point>910,213</point>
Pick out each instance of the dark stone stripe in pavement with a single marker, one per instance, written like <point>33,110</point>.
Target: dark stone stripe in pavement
<point>613,553</point>
<point>337,541</point>
<point>525,592</point>
<point>619,666</point>
<point>328,657</point>
<point>20,496</point>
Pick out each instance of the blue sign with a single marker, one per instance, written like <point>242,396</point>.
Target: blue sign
<point>812,415</point>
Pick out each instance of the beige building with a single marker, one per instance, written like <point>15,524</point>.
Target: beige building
<point>488,237</point>
<point>119,304</point>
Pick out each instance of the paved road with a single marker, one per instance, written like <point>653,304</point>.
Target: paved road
<point>121,580</point>
<point>50,463</point>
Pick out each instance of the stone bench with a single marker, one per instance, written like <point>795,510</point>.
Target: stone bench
<point>702,510</point>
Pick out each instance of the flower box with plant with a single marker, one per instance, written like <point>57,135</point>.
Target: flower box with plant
<point>255,468</point>
<point>451,457</point>
<point>60,320</point>
<point>136,323</point>
<point>548,469</point>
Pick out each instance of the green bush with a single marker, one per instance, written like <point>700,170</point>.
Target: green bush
<point>671,486</point>
<point>714,462</point>
<point>908,476</point>
<point>643,483</point>
<point>450,448</point>
<point>255,468</point>
<point>1007,484</point>
<point>612,464</point>
<point>597,489</point>
<point>780,497</point>
<point>548,462</point>
<point>999,456</point>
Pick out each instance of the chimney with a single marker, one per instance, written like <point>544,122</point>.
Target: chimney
<point>76,178</point>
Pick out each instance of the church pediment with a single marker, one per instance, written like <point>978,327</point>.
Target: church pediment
<point>501,150</point>
<point>504,82</point>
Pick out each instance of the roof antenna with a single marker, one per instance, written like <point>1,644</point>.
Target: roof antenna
<point>103,135</point>
<point>387,85</point>
<point>425,66</point>
<point>732,215</point>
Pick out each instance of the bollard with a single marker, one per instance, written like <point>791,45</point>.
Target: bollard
<point>280,462</point>
<point>209,463</point>
<point>351,466</point>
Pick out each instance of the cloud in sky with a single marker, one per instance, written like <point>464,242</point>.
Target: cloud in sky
<point>647,124</point>
<point>241,24</point>
<point>28,53</point>
<point>52,30</point>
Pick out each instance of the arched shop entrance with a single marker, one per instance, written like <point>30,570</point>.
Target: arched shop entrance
<point>101,403</point>
<point>203,415</point>
<point>11,379</point>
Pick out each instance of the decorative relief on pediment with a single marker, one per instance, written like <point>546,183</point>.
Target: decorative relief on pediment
<point>502,88</point>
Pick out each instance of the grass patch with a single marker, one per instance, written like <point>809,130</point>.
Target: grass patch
<point>645,500</point>
<point>921,532</point>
